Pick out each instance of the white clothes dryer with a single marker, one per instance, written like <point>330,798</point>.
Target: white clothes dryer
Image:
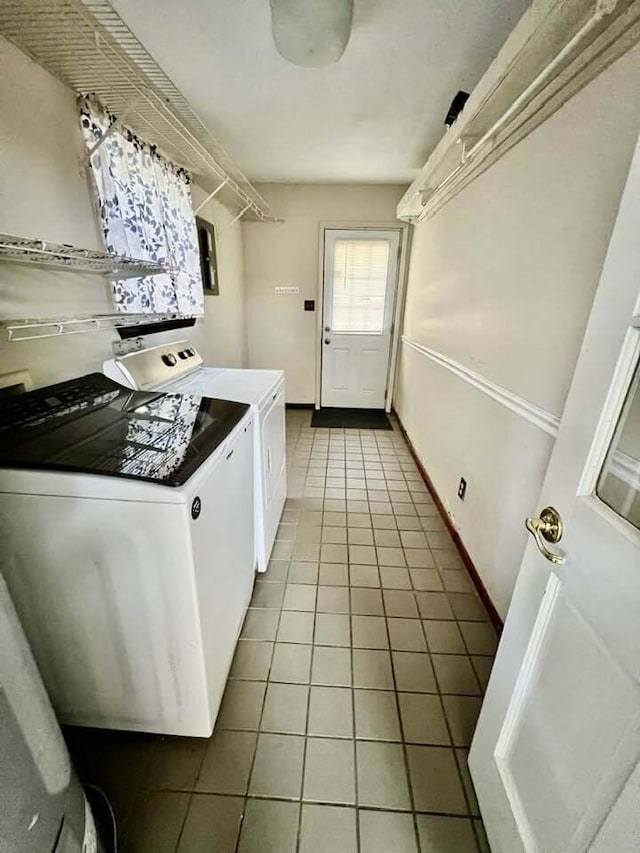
<point>179,367</point>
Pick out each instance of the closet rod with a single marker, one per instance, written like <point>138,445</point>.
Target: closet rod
<point>603,8</point>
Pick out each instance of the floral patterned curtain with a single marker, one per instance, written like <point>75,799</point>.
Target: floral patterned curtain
<point>145,211</point>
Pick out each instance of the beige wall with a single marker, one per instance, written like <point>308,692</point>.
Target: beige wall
<point>43,194</point>
<point>280,333</point>
<point>501,280</point>
<point>223,332</point>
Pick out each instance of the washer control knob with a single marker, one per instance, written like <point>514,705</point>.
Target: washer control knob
<point>169,359</point>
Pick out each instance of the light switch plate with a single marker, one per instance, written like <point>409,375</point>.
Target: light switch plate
<point>127,345</point>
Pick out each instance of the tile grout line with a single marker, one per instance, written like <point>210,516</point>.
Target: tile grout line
<point>405,754</point>
<point>307,711</point>
<point>353,713</point>
<point>442,652</point>
<point>138,795</point>
<point>416,508</point>
<point>192,792</point>
<point>439,694</point>
<point>273,798</point>
<point>255,751</point>
<point>285,733</point>
<point>451,739</point>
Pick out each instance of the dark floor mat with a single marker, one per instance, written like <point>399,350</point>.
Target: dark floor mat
<point>351,419</point>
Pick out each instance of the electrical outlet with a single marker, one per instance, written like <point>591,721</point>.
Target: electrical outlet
<point>462,488</point>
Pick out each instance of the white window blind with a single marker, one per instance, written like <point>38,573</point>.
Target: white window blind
<point>359,285</point>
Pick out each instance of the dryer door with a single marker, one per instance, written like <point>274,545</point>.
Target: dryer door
<point>273,444</point>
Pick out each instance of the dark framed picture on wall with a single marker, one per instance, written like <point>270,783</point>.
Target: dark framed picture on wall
<point>208,257</point>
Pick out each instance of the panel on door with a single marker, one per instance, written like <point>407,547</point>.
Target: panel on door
<point>545,736</point>
<point>339,366</point>
<point>558,738</point>
<point>360,272</point>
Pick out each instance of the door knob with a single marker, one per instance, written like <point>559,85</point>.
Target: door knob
<point>548,526</point>
<point>327,341</point>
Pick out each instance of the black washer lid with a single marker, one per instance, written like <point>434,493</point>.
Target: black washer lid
<point>93,425</point>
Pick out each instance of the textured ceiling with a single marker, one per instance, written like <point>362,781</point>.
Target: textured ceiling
<point>374,116</point>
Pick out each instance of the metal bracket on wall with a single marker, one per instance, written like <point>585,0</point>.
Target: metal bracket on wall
<point>211,195</point>
<point>127,345</point>
<point>240,215</point>
<point>115,125</point>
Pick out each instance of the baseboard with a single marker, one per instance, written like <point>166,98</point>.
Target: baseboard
<point>300,405</point>
<point>494,616</point>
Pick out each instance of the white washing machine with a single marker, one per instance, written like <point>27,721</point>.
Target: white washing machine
<point>126,534</point>
<point>179,367</point>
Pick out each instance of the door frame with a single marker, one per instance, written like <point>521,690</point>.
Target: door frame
<point>397,316</point>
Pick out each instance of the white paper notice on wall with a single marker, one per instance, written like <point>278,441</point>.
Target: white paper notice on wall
<point>287,291</point>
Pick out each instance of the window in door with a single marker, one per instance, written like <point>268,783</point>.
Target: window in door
<point>619,482</point>
<point>359,286</point>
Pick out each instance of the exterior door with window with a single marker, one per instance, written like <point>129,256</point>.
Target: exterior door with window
<point>360,277</point>
<point>556,754</point>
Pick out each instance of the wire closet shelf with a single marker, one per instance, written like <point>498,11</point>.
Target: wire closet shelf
<point>27,250</point>
<point>38,328</point>
<point>42,253</point>
<point>90,48</point>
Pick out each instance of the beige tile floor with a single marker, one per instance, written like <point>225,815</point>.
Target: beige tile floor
<point>354,690</point>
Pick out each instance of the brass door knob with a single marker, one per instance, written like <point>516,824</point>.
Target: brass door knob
<point>547,526</point>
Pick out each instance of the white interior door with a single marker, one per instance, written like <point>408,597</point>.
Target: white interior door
<point>360,277</point>
<point>555,757</point>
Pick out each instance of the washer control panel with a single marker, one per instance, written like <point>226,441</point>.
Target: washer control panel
<point>149,368</point>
